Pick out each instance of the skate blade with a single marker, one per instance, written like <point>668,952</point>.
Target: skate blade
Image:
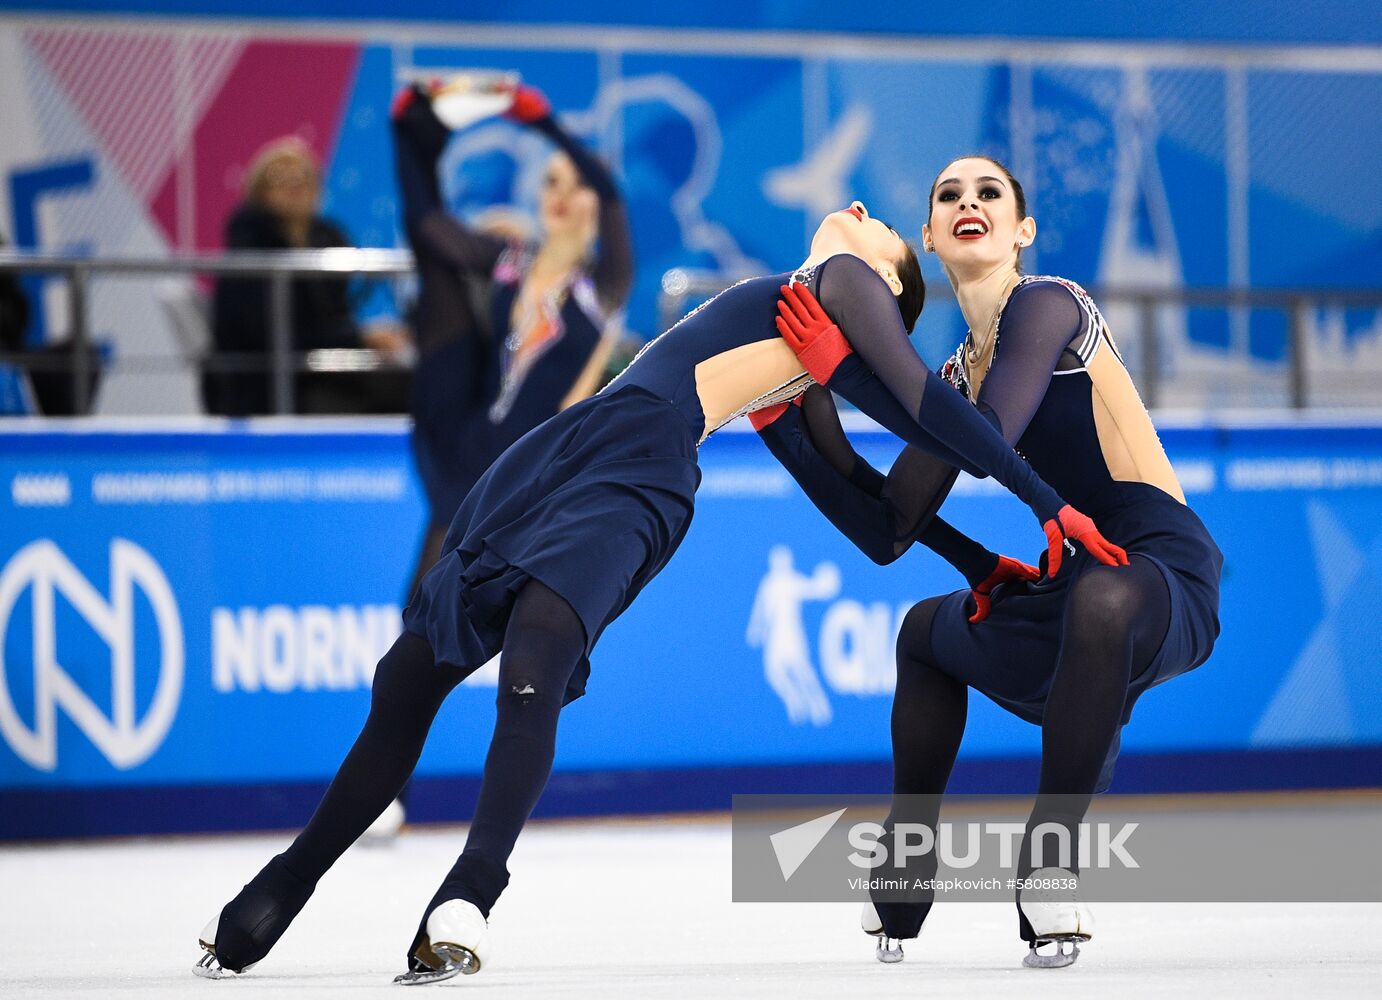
<point>209,968</point>
<point>459,962</point>
<point>1058,959</point>
<point>886,954</point>
<point>425,976</point>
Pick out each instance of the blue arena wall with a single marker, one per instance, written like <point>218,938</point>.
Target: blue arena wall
<point>189,620</point>
<point>1233,21</point>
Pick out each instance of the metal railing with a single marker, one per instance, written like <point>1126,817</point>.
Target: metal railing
<point>279,267</point>
<point>680,287</point>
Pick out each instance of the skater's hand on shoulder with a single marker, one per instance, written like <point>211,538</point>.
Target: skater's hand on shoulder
<point>1069,524</point>
<point>810,332</point>
<point>1005,571</point>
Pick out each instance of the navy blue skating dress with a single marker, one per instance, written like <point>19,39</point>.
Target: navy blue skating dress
<point>1056,386</point>
<point>1091,438</point>
<point>594,502</point>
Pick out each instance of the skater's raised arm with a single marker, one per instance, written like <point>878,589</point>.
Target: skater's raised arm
<point>1040,321</point>
<point>419,139</point>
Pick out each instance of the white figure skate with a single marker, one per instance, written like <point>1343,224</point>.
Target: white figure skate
<point>464,98</point>
<point>454,945</point>
<point>1056,918</point>
<point>384,830</point>
<point>889,950</point>
<point>209,966</point>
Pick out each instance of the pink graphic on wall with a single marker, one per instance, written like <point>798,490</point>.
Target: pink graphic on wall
<point>139,92</point>
<point>180,115</point>
<point>275,89</point>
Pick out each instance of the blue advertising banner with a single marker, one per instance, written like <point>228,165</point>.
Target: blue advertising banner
<point>204,608</point>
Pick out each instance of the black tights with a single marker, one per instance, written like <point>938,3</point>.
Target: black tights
<point>544,642</point>
<point>429,554</point>
<point>1114,623</point>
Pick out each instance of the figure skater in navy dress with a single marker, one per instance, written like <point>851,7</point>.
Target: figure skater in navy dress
<point>508,332</point>
<point>1070,651</point>
<point>564,530</point>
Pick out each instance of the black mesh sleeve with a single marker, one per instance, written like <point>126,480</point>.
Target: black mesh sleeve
<point>973,560</point>
<point>885,369</point>
<point>860,516</point>
<point>434,233</point>
<point>828,436</point>
<point>881,515</point>
<point>1040,320</point>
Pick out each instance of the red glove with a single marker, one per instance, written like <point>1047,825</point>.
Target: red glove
<point>1006,571</point>
<point>529,105</point>
<point>768,414</point>
<point>813,336</point>
<point>403,99</point>
<point>1070,523</point>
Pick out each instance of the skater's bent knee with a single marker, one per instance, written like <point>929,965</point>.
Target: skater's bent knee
<point>1113,596</point>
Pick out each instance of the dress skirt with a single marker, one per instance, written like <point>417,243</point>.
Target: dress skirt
<point>1011,656</point>
<point>592,503</point>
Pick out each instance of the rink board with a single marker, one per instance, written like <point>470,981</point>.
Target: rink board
<point>189,620</point>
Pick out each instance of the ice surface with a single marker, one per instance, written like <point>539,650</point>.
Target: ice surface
<point>619,909</point>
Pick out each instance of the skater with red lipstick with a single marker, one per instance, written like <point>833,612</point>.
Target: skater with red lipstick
<point>1071,651</point>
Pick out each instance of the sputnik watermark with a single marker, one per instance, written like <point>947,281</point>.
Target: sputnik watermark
<point>832,848</point>
<point>1097,845</point>
<point>916,840</point>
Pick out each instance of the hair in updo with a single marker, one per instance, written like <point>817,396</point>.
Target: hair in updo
<point>913,295</point>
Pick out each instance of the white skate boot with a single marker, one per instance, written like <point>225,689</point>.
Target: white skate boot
<point>466,98</point>
<point>385,829</point>
<point>209,966</point>
<point>454,945</point>
<point>1053,914</point>
<point>886,952</point>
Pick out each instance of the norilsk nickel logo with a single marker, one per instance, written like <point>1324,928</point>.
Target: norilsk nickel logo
<point>125,740</point>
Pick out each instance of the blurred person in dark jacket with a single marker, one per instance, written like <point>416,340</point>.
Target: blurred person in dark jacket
<point>16,394</point>
<point>280,212</point>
